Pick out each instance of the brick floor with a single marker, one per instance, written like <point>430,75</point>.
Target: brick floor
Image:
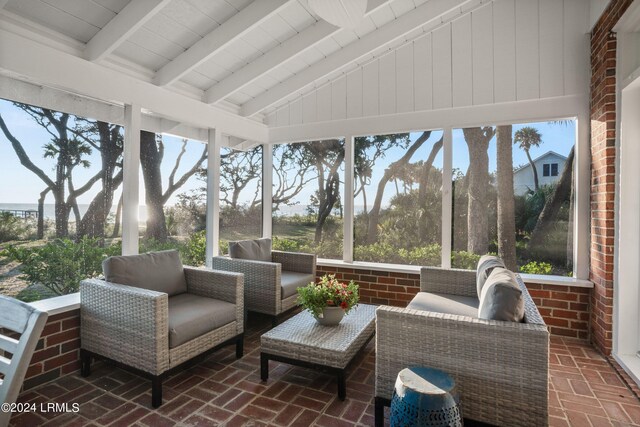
<point>584,390</point>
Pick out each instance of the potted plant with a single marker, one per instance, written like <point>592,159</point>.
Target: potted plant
<point>329,299</point>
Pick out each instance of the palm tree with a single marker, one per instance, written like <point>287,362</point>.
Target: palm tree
<point>506,201</point>
<point>528,137</point>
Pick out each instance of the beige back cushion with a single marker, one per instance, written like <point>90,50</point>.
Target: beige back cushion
<point>501,297</point>
<point>156,271</point>
<point>256,250</point>
<point>486,264</point>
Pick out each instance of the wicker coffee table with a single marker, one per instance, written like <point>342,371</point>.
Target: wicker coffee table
<point>303,342</point>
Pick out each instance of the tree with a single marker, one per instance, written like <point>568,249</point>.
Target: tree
<point>526,138</point>
<point>151,157</point>
<point>374,213</point>
<point>326,156</point>
<point>68,152</point>
<point>238,169</point>
<point>506,198</point>
<point>290,174</point>
<point>478,179</point>
<point>549,214</point>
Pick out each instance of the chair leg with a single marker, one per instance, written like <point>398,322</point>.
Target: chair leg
<point>379,412</point>
<point>85,363</point>
<point>240,347</point>
<point>274,321</point>
<point>156,391</point>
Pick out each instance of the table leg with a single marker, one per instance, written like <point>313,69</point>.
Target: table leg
<point>342,385</point>
<point>264,367</point>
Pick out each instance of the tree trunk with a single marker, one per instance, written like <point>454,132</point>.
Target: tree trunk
<point>116,224</point>
<point>549,214</point>
<point>478,175</point>
<point>506,199</point>
<point>572,199</point>
<point>150,159</point>
<point>422,187</point>
<point>374,214</point>
<point>43,195</point>
<point>536,184</point>
<point>95,219</point>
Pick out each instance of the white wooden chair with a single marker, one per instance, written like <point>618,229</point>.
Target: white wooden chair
<point>25,320</point>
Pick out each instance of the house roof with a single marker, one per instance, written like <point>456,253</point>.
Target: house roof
<point>547,154</point>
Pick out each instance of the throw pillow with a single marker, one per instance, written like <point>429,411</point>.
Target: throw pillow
<point>256,250</point>
<point>486,264</point>
<point>501,297</point>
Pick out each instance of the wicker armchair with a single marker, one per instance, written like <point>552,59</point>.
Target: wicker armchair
<point>501,368</point>
<point>151,332</point>
<point>270,287</point>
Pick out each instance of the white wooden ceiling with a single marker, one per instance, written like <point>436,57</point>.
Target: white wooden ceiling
<point>172,43</point>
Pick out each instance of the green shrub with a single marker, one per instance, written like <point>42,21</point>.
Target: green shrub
<point>13,228</point>
<point>193,252</point>
<point>61,264</point>
<point>465,260</point>
<point>534,267</point>
<point>287,245</point>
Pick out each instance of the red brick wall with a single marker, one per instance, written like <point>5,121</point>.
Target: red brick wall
<point>603,124</point>
<point>57,352</point>
<point>565,309</point>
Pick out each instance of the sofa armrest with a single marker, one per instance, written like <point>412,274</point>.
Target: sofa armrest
<point>220,285</point>
<point>495,364</point>
<point>125,323</point>
<point>296,261</point>
<point>262,282</point>
<point>448,281</point>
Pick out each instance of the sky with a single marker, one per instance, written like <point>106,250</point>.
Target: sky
<point>18,185</point>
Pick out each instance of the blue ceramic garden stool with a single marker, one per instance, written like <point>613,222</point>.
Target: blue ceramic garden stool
<point>425,397</point>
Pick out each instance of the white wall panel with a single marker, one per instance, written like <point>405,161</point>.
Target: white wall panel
<point>527,50</point>
<point>387,83</point>
<point>576,47</point>
<point>309,107</point>
<point>462,69</point>
<point>504,51</point>
<point>324,102</point>
<point>442,67</point>
<point>295,112</point>
<point>339,98</point>
<point>354,93</point>
<point>404,78</point>
<point>498,51</point>
<point>370,89</point>
<point>482,39</point>
<point>282,116</point>
<point>551,48</point>
<point>422,73</point>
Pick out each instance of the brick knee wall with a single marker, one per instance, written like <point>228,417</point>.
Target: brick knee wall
<point>565,309</point>
<point>58,350</point>
<point>603,155</point>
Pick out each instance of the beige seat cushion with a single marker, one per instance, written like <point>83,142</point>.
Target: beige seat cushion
<point>445,303</point>
<point>191,316</point>
<point>291,281</point>
<point>156,271</point>
<point>256,250</point>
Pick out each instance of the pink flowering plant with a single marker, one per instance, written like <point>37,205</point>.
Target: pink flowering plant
<point>328,292</point>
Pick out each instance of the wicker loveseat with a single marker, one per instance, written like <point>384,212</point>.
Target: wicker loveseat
<point>500,367</point>
<point>155,314</point>
<point>271,278</point>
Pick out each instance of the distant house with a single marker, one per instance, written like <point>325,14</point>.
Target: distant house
<point>549,167</point>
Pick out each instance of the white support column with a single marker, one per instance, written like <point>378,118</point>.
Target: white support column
<point>447,202</point>
<point>213,195</point>
<point>130,182</point>
<point>582,203</point>
<point>267,190</point>
<point>349,160</point>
